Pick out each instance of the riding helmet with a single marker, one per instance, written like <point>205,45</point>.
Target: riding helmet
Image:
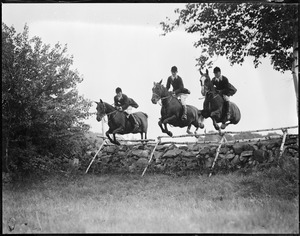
<point>118,90</point>
<point>174,69</point>
<point>217,69</point>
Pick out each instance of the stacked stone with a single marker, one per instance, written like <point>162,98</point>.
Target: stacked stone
<point>192,157</point>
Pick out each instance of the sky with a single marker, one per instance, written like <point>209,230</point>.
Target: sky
<point>121,45</point>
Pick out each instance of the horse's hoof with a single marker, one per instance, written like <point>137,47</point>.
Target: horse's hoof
<point>201,126</point>
<point>170,134</point>
<point>223,126</point>
<point>189,132</point>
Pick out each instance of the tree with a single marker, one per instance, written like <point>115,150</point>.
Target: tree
<point>239,30</point>
<point>41,108</point>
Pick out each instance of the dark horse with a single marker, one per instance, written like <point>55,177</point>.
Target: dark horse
<point>171,110</point>
<point>118,122</point>
<point>215,105</point>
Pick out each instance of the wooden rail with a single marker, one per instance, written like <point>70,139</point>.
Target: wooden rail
<point>219,143</point>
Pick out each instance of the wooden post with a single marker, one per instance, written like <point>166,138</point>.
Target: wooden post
<point>217,154</point>
<point>102,144</point>
<point>282,143</point>
<point>150,157</point>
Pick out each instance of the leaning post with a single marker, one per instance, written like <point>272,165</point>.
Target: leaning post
<point>151,156</point>
<point>102,144</point>
<point>282,142</point>
<point>217,153</point>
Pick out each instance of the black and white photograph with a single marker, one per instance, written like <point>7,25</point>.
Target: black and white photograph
<point>150,117</point>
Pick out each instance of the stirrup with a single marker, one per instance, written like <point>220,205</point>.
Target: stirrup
<point>228,116</point>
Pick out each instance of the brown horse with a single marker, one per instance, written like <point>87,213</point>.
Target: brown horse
<point>118,122</point>
<point>171,110</point>
<point>214,105</point>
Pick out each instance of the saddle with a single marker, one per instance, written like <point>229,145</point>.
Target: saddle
<point>132,119</point>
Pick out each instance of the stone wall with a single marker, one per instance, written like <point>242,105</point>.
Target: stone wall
<point>192,157</point>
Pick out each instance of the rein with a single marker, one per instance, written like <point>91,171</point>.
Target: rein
<point>207,91</point>
<point>162,98</point>
<point>108,114</point>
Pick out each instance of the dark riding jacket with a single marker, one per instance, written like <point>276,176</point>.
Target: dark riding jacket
<point>177,85</point>
<point>224,86</point>
<point>125,102</point>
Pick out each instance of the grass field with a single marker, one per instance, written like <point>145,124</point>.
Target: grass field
<point>233,203</point>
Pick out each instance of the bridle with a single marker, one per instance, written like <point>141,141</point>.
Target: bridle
<point>108,114</point>
<point>159,97</point>
<point>206,88</point>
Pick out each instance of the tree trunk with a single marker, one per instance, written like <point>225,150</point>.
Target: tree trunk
<point>295,71</point>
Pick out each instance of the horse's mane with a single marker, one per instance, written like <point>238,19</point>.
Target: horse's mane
<point>165,89</point>
<point>109,106</point>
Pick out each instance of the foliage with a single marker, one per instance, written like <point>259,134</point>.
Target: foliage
<point>239,30</point>
<point>247,135</point>
<point>42,112</point>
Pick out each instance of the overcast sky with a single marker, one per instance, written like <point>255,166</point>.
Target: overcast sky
<point>120,45</point>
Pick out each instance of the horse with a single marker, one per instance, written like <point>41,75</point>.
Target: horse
<point>118,122</point>
<point>214,105</point>
<point>171,110</point>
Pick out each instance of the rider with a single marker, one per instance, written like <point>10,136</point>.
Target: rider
<point>225,88</point>
<point>178,89</point>
<point>123,103</point>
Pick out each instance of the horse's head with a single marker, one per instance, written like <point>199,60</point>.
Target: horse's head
<point>205,82</point>
<point>100,110</point>
<point>158,91</point>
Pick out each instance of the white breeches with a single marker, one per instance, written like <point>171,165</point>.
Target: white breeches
<point>129,110</point>
<point>182,97</point>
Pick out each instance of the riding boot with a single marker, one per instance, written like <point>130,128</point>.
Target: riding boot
<point>184,116</point>
<point>134,123</point>
<point>227,110</point>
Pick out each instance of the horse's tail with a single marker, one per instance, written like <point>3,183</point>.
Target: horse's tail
<point>236,113</point>
<point>145,123</point>
<point>143,120</point>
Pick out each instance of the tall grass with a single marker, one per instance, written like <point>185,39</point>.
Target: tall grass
<point>233,203</point>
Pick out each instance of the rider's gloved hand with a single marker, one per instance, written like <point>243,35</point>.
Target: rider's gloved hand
<point>120,109</point>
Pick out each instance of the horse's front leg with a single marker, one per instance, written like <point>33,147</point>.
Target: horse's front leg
<point>224,124</point>
<point>115,140</point>
<point>167,131</point>
<point>168,121</point>
<point>114,132</point>
<point>201,122</point>
<point>160,125</point>
<point>188,129</point>
<point>108,136</point>
<point>215,123</point>
<point>195,132</point>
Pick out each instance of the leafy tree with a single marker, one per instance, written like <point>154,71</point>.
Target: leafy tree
<point>239,30</point>
<point>42,111</point>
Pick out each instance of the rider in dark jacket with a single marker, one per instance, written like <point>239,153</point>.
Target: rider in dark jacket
<point>178,89</point>
<point>123,103</point>
<point>223,86</point>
